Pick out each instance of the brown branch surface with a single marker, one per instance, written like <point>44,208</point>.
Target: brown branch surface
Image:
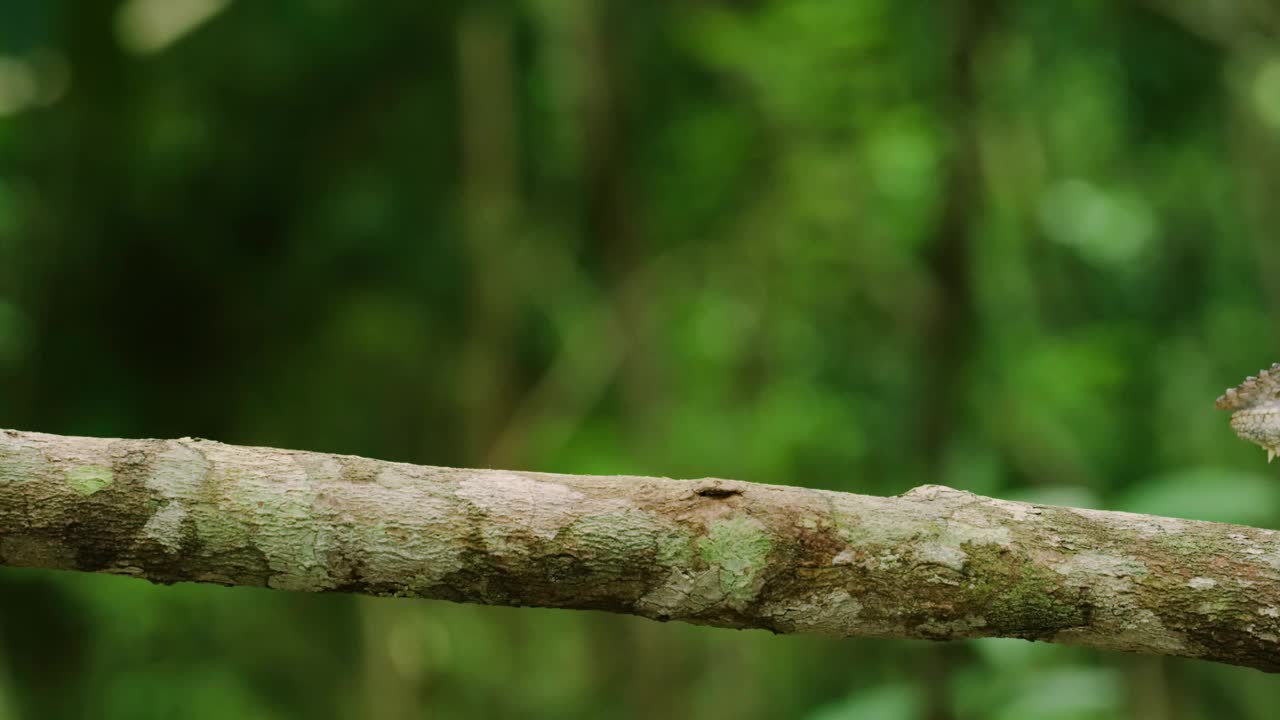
<point>933,563</point>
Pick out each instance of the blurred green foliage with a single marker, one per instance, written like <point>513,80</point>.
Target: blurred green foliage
<point>1013,247</point>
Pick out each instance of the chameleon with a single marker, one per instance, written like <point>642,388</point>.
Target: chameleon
<point>1255,409</point>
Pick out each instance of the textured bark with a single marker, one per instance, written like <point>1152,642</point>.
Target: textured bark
<point>933,563</point>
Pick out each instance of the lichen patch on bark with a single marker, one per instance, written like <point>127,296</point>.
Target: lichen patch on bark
<point>20,461</point>
<point>173,477</point>
<point>536,506</point>
<point>1096,564</point>
<point>89,479</point>
<point>737,548</point>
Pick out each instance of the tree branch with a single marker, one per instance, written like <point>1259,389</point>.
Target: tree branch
<point>933,563</point>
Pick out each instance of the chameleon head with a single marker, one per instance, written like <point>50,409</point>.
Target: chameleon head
<point>1261,426</point>
<point>1255,406</point>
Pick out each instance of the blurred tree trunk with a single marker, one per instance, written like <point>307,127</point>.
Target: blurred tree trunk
<point>612,218</point>
<point>88,144</point>
<point>1257,164</point>
<point>933,563</point>
<point>390,689</point>
<point>950,329</point>
<point>490,202</point>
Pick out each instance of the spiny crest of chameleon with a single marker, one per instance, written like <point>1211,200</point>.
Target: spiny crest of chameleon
<point>1255,409</point>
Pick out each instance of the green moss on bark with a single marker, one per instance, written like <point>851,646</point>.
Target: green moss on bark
<point>89,479</point>
<point>1020,599</point>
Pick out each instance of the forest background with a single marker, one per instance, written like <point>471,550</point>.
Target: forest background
<point>1012,247</point>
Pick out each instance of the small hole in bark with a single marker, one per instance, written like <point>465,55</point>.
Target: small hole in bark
<point>716,491</point>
